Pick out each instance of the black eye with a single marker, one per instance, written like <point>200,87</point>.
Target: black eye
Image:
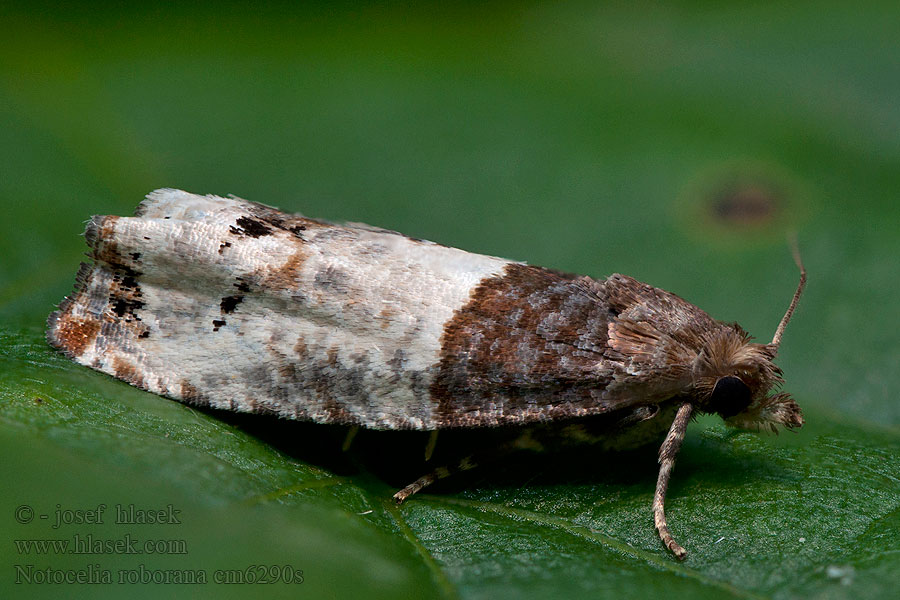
<point>729,397</point>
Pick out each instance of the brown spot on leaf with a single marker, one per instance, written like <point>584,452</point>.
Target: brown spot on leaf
<point>741,200</point>
<point>746,203</point>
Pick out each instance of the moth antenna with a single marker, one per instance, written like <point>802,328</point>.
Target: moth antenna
<point>795,250</point>
<point>667,453</point>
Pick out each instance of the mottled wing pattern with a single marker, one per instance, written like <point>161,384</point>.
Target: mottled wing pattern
<point>529,346</point>
<point>236,305</point>
<point>537,345</point>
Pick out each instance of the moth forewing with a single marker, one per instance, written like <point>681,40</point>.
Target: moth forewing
<point>232,304</point>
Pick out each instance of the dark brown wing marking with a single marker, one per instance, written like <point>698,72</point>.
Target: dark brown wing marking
<point>529,346</point>
<point>534,345</point>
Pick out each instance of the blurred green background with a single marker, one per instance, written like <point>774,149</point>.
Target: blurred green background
<point>674,143</point>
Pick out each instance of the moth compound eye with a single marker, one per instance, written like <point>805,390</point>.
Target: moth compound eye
<point>730,397</point>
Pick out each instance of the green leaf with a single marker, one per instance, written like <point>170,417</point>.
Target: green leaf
<point>676,145</point>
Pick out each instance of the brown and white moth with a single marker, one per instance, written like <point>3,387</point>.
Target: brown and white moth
<point>235,305</point>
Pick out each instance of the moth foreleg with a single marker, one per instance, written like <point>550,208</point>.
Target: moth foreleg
<point>667,453</point>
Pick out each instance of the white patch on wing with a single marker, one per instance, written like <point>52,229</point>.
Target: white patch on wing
<point>330,323</point>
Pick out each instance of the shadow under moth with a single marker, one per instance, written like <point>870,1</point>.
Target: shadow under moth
<point>235,305</point>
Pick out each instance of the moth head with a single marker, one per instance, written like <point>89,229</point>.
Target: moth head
<point>737,379</point>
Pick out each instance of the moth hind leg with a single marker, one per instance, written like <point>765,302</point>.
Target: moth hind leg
<point>421,483</point>
<point>483,456</point>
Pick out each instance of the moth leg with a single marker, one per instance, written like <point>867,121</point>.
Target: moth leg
<point>348,441</point>
<point>667,453</point>
<point>432,442</point>
<point>524,441</point>
<point>426,480</point>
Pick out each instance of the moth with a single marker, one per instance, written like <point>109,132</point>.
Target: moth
<point>235,305</point>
